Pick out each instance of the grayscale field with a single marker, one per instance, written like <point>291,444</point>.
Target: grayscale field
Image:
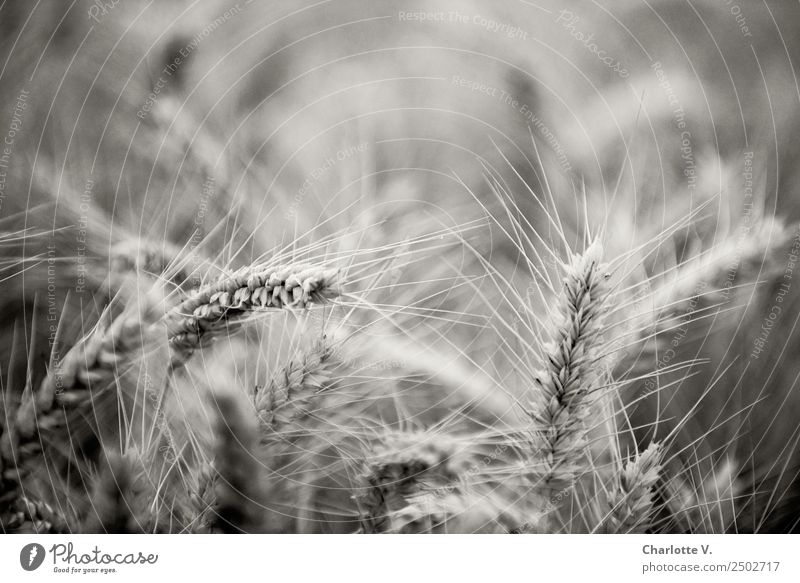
<point>390,267</point>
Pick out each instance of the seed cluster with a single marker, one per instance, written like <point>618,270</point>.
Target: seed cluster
<point>291,393</point>
<point>632,502</point>
<point>565,384</point>
<point>247,290</point>
<point>402,469</point>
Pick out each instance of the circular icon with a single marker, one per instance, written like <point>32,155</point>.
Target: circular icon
<point>31,556</point>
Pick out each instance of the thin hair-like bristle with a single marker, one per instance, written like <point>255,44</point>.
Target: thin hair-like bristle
<point>703,504</point>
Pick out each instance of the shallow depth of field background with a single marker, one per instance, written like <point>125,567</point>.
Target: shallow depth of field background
<point>447,155</point>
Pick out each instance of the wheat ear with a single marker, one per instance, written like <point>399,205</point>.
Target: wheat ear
<point>89,364</point>
<point>111,501</point>
<point>94,361</point>
<point>86,370</point>
<point>237,484</point>
<point>735,258</point>
<point>632,500</point>
<point>136,255</point>
<point>248,290</point>
<point>33,517</point>
<point>97,357</point>
<point>201,498</point>
<point>401,470</point>
<point>571,363</point>
<point>290,394</point>
<point>457,510</point>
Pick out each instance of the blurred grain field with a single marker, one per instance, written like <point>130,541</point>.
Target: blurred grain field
<point>338,266</point>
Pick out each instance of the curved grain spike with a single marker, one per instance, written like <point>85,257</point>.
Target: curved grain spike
<point>247,290</point>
